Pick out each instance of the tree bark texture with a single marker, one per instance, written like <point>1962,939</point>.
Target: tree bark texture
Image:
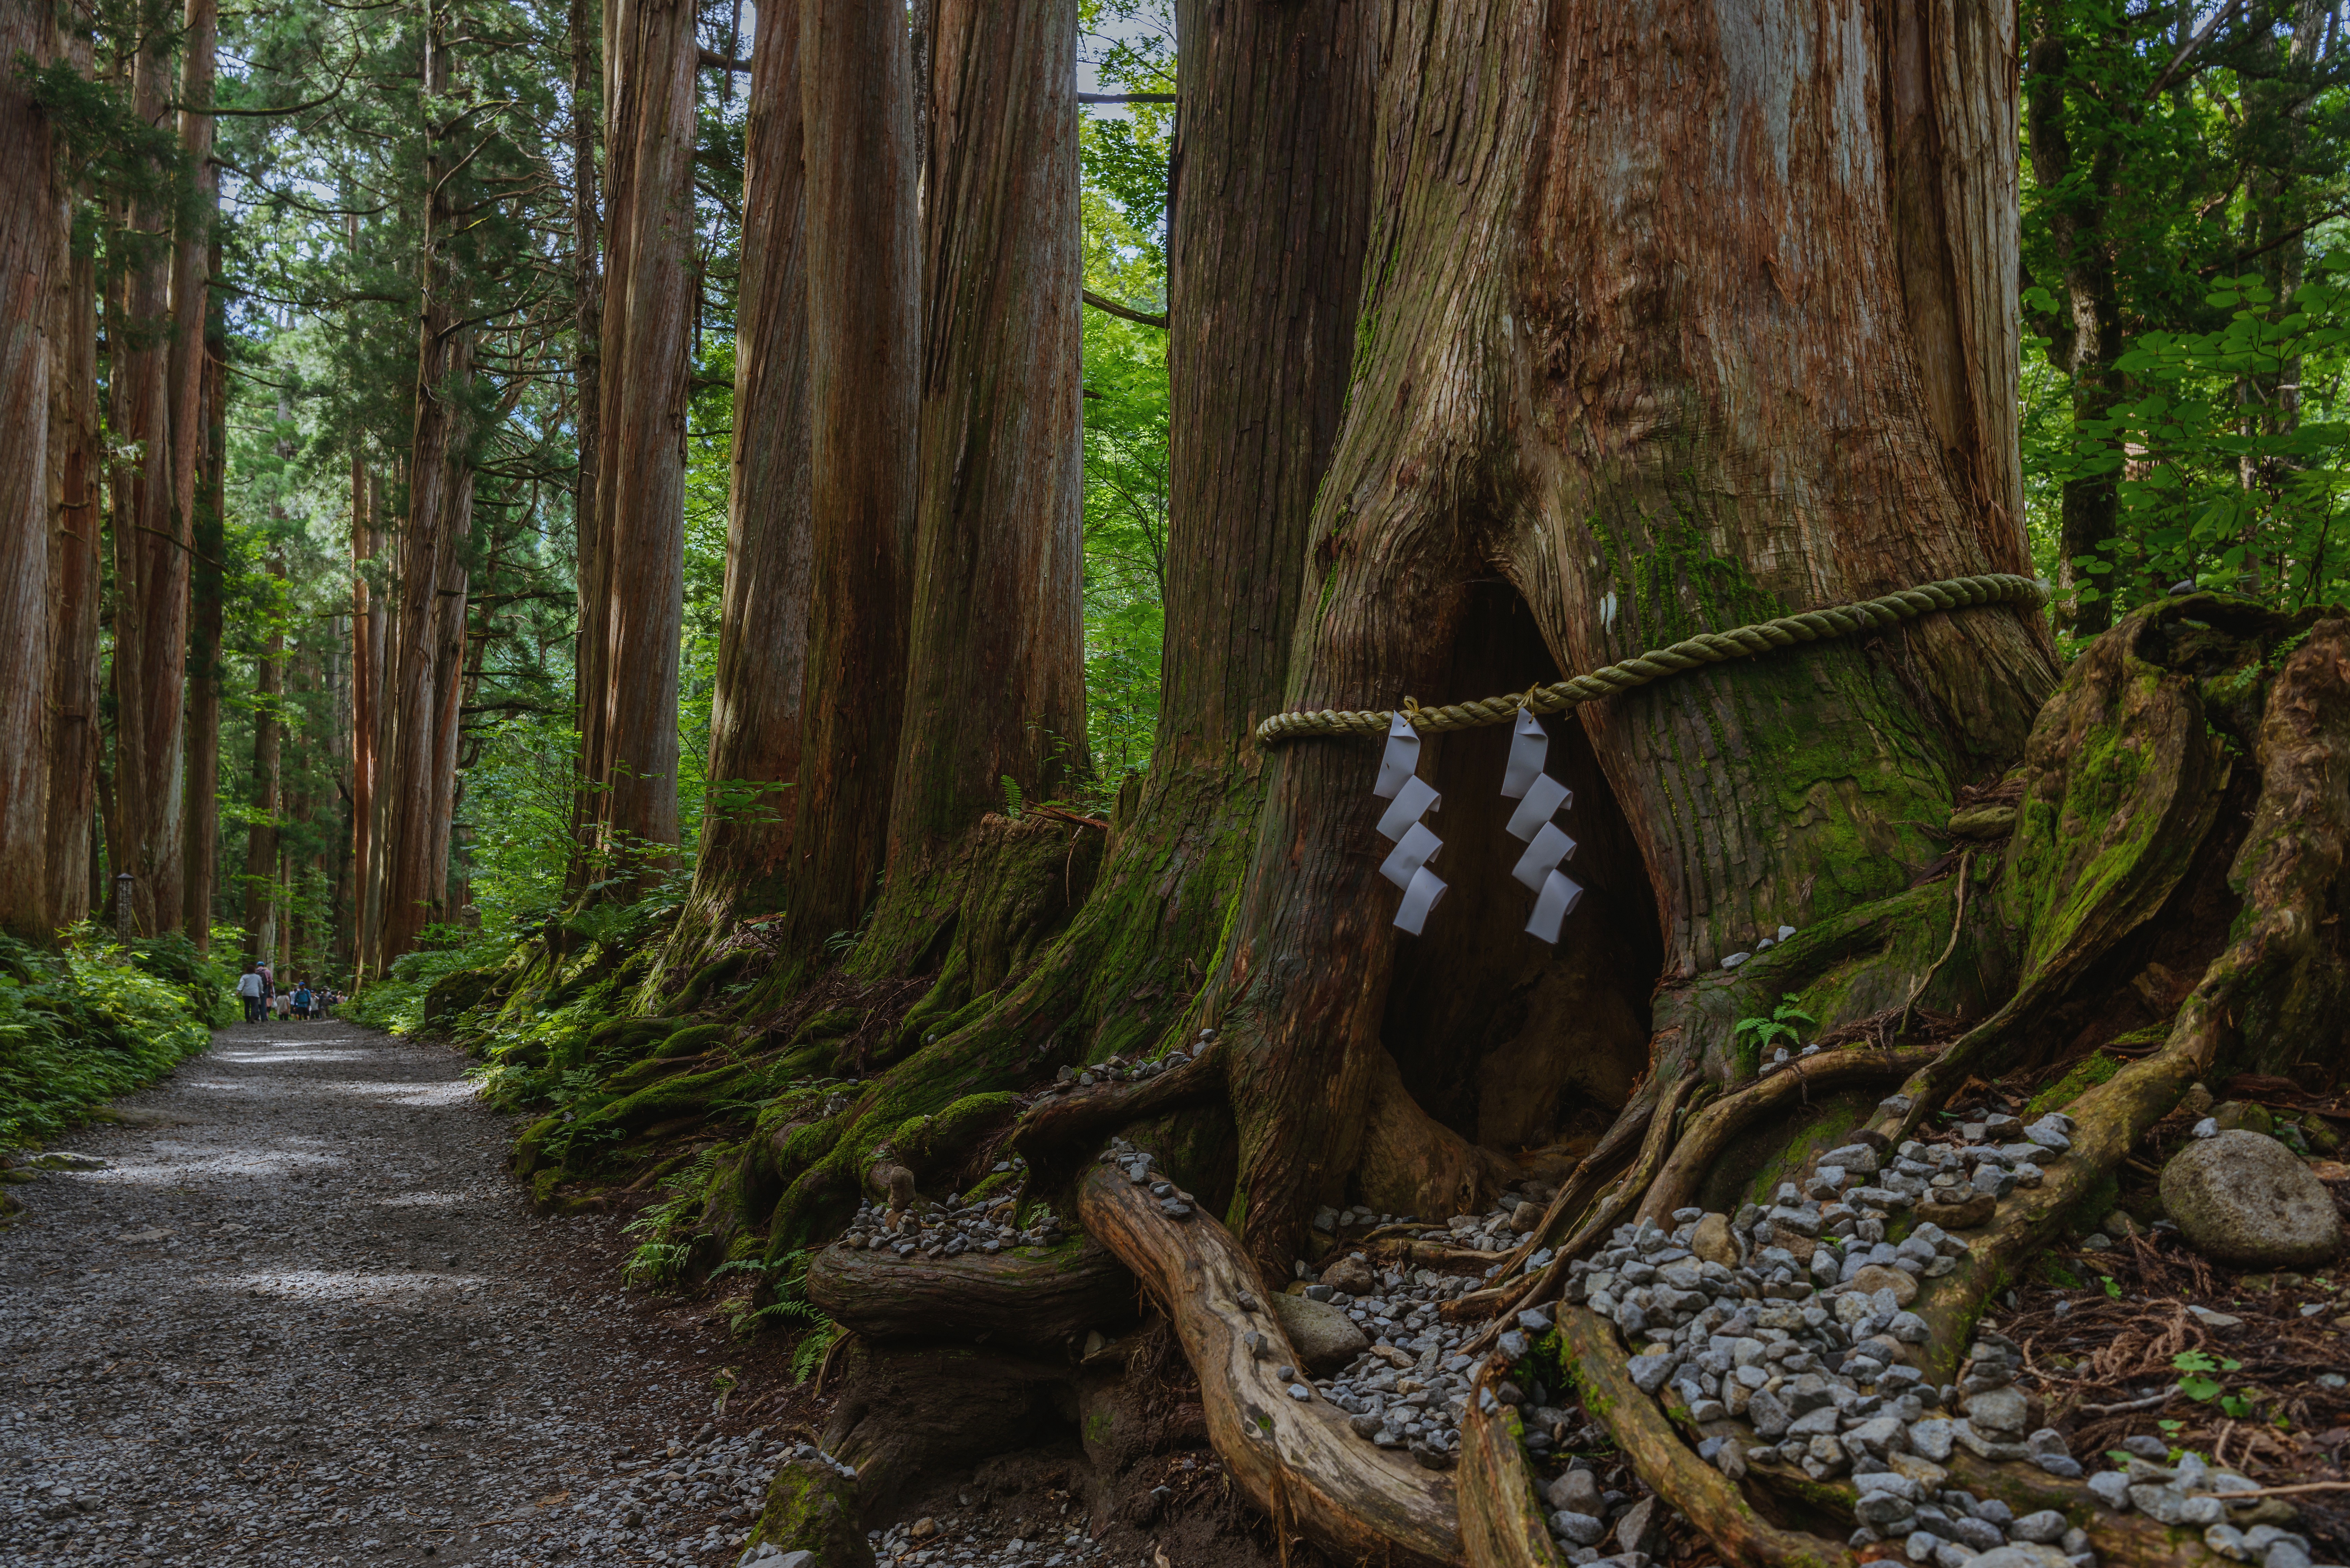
<point>864,327</point>
<point>367,676</point>
<point>1651,342</point>
<point>33,267</point>
<point>755,713</point>
<point>588,552</point>
<point>440,497</point>
<point>78,564</point>
<point>262,910</point>
<point>995,679</point>
<point>151,554</point>
<point>209,529</point>
<point>648,302</point>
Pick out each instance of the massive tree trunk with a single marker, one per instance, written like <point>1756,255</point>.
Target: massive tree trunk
<point>33,268</point>
<point>640,491</point>
<point>366,678</point>
<point>192,421</point>
<point>587,394</point>
<point>77,563</point>
<point>754,712</point>
<point>206,583</point>
<point>150,547</point>
<point>864,324</point>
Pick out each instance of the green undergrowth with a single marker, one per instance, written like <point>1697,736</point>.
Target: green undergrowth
<point>95,1019</point>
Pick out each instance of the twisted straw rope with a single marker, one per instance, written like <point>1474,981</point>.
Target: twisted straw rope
<point>1706,648</point>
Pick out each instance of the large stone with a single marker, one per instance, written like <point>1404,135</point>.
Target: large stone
<point>1325,1339</point>
<point>1352,1275</point>
<point>1875,1277</point>
<point>1577,1491</point>
<point>1975,1209</point>
<point>1711,1241</point>
<point>2021,1554</point>
<point>1999,1411</point>
<point>2244,1198</point>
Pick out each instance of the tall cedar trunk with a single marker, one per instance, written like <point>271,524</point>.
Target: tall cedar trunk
<point>755,711</point>
<point>587,651</point>
<point>262,909</point>
<point>1270,191</point>
<point>864,325</point>
<point>78,564</point>
<point>640,491</point>
<point>994,681</point>
<point>199,884</point>
<point>448,655</point>
<point>367,656</point>
<point>1682,320</point>
<point>151,549</point>
<point>192,429</point>
<point>33,267</point>
<point>439,494</point>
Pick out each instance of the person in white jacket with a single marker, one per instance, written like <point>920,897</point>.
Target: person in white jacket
<point>248,988</point>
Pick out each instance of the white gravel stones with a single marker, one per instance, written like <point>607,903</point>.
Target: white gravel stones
<point>350,1341</point>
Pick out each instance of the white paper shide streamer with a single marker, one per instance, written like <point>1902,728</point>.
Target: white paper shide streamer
<point>1409,797</point>
<point>1540,797</point>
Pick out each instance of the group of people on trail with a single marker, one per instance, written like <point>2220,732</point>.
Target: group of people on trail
<point>259,991</point>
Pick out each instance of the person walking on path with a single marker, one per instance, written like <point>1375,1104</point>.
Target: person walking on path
<point>302,999</point>
<point>248,991</point>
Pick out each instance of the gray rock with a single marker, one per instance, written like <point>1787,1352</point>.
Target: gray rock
<point>1637,1530</point>
<point>2227,1542</point>
<point>1997,1411</point>
<point>2021,1554</point>
<point>2167,1505</point>
<point>2046,1528</point>
<point>1979,1534</point>
<point>2240,1198</point>
<point>1769,1413</point>
<point>1649,1371</point>
<point>1580,1528</point>
<point>1932,1440</point>
<point>1325,1336</point>
<point>2110,1488</point>
<point>2147,1448</point>
<point>1577,1491</point>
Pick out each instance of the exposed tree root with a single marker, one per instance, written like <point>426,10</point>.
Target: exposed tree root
<point>1296,1459</point>
<point>1029,1300</point>
<point>1059,1136</point>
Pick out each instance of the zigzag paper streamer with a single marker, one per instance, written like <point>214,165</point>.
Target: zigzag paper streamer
<point>1560,893</point>
<point>1413,851</point>
<point>1550,846</point>
<point>1415,797</point>
<point>1544,797</point>
<point>1418,899</point>
<point>1529,746</point>
<point>1402,760</point>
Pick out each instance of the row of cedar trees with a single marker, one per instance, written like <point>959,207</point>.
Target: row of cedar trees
<point>871,458</point>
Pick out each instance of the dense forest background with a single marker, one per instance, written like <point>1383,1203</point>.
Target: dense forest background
<point>2183,297</point>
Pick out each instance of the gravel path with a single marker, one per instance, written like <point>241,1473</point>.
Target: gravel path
<point>301,1316</point>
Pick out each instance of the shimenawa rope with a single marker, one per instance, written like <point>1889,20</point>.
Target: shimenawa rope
<point>1706,648</point>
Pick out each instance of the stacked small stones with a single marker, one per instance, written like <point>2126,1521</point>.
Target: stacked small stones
<point>1118,1070</point>
<point>985,1225</point>
<point>928,1541</point>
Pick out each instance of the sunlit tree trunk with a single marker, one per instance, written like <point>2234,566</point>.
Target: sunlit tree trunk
<point>864,325</point>
<point>755,711</point>
<point>151,544</point>
<point>205,589</point>
<point>78,566</point>
<point>34,272</point>
<point>648,299</point>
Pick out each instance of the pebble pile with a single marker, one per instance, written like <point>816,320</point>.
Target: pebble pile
<point>1784,1330</point>
<point>949,1545</point>
<point>952,1229</point>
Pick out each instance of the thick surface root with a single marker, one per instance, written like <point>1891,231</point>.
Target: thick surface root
<point>1295,1459</point>
<point>1029,1300</point>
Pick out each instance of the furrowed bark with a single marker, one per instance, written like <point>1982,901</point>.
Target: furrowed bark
<point>367,675</point>
<point>754,714</point>
<point>33,267</point>
<point>588,92</point>
<point>1298,1460</point>
<point>75,473</point>
<point>640,498</point>
<point>864,344</point>
<point>1026,1301</point>
<point>261,907</point>
<point>199,884</point>
<point>150,551</point>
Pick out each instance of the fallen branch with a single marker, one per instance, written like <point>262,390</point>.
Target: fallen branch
<point>1297,1459</point>
<point>1030,1298</point>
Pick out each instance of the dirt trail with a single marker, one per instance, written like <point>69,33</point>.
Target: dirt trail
<point>301,1316</point>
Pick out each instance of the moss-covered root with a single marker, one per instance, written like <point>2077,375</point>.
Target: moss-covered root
<point>1034,1300</point>
<point>812,1506</point>
<point>1060,1136</point>
<point>1296,1459</point>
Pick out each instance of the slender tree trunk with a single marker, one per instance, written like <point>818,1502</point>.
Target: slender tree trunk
<point>204,673</point>
<point>754,712</point>
<point>152,541</point>
<point>641,502</point>
<point>864,326</point>
<point>34,271</point>
<point>367,666</point>
<point>448,689</point>
<point>590,645</point>
<point>262,909</point>
<point>78,564</point>
<point>439,499</point>
<point>996,683</point>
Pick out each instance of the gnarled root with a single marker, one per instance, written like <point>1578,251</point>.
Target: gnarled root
<point>1295,1459</point>
<point>1058,1136</point>
<point>1032,1300</point>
